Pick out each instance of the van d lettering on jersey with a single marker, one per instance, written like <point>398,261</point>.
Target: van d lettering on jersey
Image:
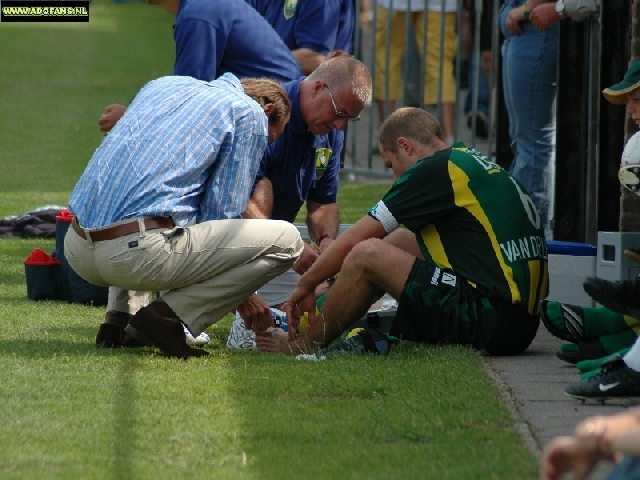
<point>525,248</point>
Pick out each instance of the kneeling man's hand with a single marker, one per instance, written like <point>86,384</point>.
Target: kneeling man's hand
<point>256,314</point>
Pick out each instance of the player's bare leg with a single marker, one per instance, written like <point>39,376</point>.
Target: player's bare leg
<point>370,263</point>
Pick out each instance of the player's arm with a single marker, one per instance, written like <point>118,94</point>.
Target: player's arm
<point>330,262</point>
<point>302,299</point>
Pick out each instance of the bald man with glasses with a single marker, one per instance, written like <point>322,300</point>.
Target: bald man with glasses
<point>303,165</point>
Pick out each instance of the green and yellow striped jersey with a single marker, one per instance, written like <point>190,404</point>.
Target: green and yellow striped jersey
<point>472,218</point>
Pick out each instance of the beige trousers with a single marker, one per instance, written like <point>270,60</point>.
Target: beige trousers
<point>128,301</point>
<point>208,269</point>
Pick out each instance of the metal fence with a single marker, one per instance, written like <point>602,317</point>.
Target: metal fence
<point>362,158</point>
<point>590,132</point>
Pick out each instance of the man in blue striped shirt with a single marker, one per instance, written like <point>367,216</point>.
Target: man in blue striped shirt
<point>185,153</point>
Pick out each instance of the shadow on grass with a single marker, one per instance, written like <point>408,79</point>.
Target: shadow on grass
<point>51,347</point>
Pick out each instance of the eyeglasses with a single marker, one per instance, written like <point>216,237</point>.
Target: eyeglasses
<point>351,118</point>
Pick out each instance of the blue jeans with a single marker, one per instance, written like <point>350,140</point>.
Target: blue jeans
<point>484,98</point>
<point>529,78</point>
<point>627,469</point>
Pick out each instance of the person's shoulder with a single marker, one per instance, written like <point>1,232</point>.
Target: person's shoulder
<point>173,81</point>
<point>461,154</point>
<point>227,79</point>
<point>292,88</point>
<point>292,85</point>
<point>436,159</point>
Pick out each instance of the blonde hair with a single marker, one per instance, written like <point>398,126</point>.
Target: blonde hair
<point>409,122</point>
<point>265,91</point>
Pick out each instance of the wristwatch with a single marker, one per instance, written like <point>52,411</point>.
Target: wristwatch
<point>560,8</point>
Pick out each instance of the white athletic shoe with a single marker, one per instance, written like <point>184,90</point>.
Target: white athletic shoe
<point>201,339</point>
<point>239,337</point>
<point>242,339</point>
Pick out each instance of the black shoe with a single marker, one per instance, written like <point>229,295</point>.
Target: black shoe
<point>621,297</point>
<point>615,380</point>
<point>360,340</point>
<point>571,328</point>
<point>111,333</point>
<point>482,124</point>
<point>157,324</point>
<point>114,336</point>
<point>588,350</point>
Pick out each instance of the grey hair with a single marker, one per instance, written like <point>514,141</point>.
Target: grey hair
<point>345,70</point>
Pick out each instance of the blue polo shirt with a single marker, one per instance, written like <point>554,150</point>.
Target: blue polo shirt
<point>301,166</point>
<point>214,37</point>
<point>344,36</point>
<point>309,24</point>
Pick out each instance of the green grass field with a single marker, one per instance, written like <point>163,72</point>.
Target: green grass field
<point>71,411</point>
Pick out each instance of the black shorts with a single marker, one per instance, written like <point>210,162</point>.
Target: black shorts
<point>437,307</point>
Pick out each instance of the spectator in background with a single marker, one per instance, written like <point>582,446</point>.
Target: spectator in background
<point>529,72</point>
<point>439,81</point>
<point>548,14</point>
<point>619,375</point>
<point>484,70</point>
<point>314,30</point>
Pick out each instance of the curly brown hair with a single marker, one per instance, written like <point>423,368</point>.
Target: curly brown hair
<point>265,91</point>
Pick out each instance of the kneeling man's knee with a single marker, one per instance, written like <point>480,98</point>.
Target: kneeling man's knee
<point>291,240</point>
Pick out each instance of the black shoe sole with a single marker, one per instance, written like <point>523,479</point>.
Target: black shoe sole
<point>622,297</point>
<point>605,293</point>
<point>611,400</point>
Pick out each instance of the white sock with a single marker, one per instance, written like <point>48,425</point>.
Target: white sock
<point>632,357</point>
